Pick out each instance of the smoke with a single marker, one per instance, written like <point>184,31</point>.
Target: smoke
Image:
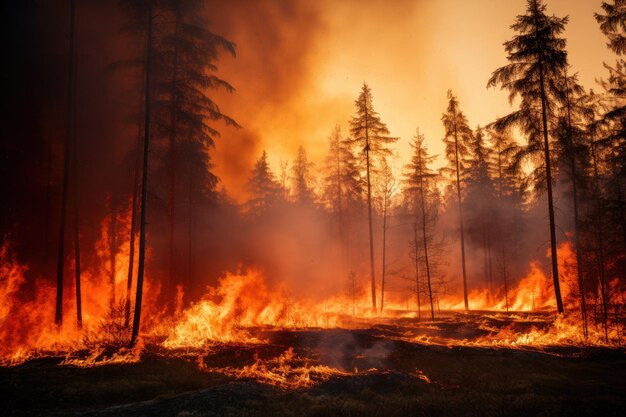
<point>347,351</point>
<point>273,67</point>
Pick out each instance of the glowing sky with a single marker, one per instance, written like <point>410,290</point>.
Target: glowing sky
<point>409,52</point>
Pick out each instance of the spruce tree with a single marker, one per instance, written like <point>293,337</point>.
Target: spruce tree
<point>537,60</point>
<point>263,186</point>
<point>458,137</point>
<point>371,135</point>
<point>421,183</point>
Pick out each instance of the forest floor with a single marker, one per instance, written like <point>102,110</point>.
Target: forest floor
<point>379,369</point>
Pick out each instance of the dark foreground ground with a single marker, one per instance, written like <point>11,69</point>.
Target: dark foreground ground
<point>384,376</point>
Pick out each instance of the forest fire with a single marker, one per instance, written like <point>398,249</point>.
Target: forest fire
<point>251,208</point>
<point>242,307</point>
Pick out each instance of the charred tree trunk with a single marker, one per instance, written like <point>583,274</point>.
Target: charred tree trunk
<point>133,228</point>
<point>427,264</point>
<point>505,279</point>
<point>598,229</point>
<point>74,140</point>
<point>417,276</point>
<point>382,288</point>
<point>172,159</point>
<point>58,316</point>
<point>460,205</point>
<point>144,182</point>
<point>113,250</point>
<point>190,268</point>
<point>485,250</point>
<point>499,234</point>
<point>369,211</point>
<point>77,272</point>
<point>134,209</point>
<point>577,249</point>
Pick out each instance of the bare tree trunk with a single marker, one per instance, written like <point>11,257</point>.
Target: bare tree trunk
<point>577,249</point>
<point>339,197</point>
<point>133,226</point>
<point>144,183</point>
<point>505,279</point>
<point>113,250</point>
<point>74,140</point>
<point>430,289</point>
<point>58,316</point>
<point>460,204</point>
<point>503,246</point>
<point>369,210</point>
<point>489,263</point>
<point>417,276</point>
<point>485,256</point>
<point>190,269</point>
<point>599,243</point>
<point>382,288</point>
<point>79,303</point>
<point>172,160</point>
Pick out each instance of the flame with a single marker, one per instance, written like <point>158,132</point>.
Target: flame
<point>285,371</point>
<point>27,326</point>
<point>244,307</point>
<point>534,292</point>
<point>243,301</point>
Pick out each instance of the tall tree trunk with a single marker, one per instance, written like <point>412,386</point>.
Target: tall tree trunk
<point>190,269</point>
<point>58,316</point>
<point>133,225</point>
<point>74,140</point>
<point>546,149</point>
<point>144,182</point>
<point>427,264</point>
<point>369,209</point>
<point>485,255</point>
<point>577,249</point>
<point>113,250</point>
<point>505,279</point>
<point>460,204</point>
<point>339,196</point>
<point>598,229</point>
<point>172,160</point>
<point>503,245</point>
<point>382,287</point>
<point>489,262</point>
<point>417,276</point>
<point>77,273</point>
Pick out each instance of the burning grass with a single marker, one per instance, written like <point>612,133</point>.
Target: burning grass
<point>326,372</point>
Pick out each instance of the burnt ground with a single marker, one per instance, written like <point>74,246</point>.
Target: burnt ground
<point>382,373</point>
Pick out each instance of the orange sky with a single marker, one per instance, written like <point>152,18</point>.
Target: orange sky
<point>409,52</point>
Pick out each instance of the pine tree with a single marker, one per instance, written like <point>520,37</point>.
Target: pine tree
<point>613,122</point>
<point>537,60</point>
<point>480,191</point>
<point>371,135</point>
<point>186,55</point>
<point>386,188</point>
<point>506,221</point>
<point>458,137</point>
<point>613,24</point>
<point>342,186</point>
<point>263,186</point>
<point>144,181</point>
<point>301,177</point>
<point>421,185</point>
<point>573,164</point>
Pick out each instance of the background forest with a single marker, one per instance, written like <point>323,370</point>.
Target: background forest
<point>111,118</point>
